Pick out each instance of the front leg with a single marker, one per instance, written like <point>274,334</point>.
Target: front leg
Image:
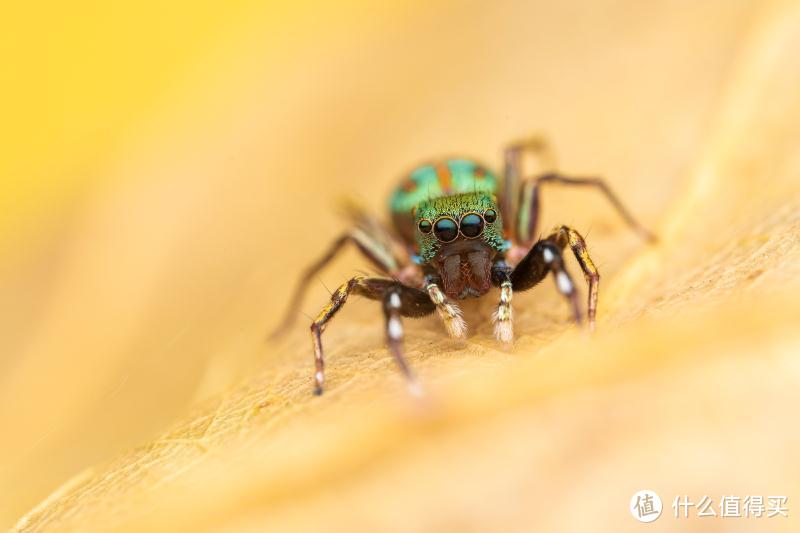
<point>398,300</point>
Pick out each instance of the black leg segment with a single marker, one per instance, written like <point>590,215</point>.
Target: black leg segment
<point>398,300</point>
<point>545,257</point>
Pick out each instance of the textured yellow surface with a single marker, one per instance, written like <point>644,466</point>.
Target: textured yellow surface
<point>134,313</point>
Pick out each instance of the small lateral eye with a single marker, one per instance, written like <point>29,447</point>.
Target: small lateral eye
<point>445,229</point>
<point>490,215</point>
<point>425,226</point>
<point>471,225</point>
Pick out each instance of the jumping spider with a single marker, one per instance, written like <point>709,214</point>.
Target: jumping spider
<point>450,243</point>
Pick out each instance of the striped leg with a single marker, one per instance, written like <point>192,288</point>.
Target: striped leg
<point>412,303</point>
<point>543,258</point>
<point>368,244</point>
<point>565,236</point>
<point>504,316</point>
<point>392,308</point>
<point>448,311</point>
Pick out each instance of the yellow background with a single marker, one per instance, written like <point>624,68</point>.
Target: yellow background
<point>168,168</point>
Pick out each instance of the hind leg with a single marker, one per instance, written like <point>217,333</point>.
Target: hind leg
<point>521,198</point>
<point>514,174</point>
<point>527,221</point>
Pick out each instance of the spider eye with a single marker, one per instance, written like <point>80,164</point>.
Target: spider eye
<point>445,229</point>
<point>471,225</point>
<point>425,226</point>
<point>490,215</point>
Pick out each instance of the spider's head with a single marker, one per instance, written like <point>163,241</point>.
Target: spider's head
<point>460,236</point>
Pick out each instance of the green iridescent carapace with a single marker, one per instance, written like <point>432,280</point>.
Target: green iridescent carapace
<point>432,181</point>
<point>455,207</point>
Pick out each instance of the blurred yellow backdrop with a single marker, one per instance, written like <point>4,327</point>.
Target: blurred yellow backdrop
<point>109,107</point>
<point>167,169</point>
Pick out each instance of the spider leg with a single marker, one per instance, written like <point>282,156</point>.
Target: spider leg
<point>362,218</point>
<point>392,310</point>
<point>565,236</point>
<point>520,201</point>
<point>528,217</point>
<point>535,145</point>
<point>448,311</point>
<point>503,317</point>
<point>545,257</point>
<point>370,245</point>
<point>398,300</point>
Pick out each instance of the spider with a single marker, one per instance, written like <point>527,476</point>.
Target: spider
<point>458,232</point>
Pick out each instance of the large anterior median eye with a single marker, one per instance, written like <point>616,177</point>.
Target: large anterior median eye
<point>445,229</point>
<point>471,225</point>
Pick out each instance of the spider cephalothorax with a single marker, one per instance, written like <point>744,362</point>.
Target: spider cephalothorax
<point>459,236</point>
<point>450,242</point>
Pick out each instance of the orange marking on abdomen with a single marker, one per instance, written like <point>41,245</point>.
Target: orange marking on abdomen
<point>409,185</point>
<point>445,177</point>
